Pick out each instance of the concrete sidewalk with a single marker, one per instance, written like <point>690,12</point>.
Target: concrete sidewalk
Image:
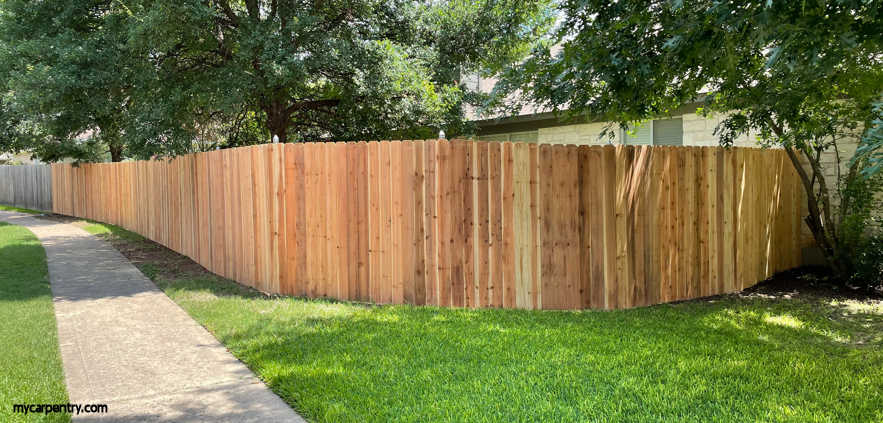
<point>124,343</point>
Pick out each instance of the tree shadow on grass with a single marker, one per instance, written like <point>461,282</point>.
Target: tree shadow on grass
<point>22,262</point>
<point>748,358</point>
<point>30,364</point>
<point>726,358</point>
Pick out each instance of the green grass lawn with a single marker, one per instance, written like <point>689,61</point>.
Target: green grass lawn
<point>736,359</point>
<point>733,358</point>
<point>18,209</point>
<point>112,232</point>
<point>30,362</point>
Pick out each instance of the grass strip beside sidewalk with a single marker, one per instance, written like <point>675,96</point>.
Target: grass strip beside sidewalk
<point>30,361</point>
<point>764,356</point>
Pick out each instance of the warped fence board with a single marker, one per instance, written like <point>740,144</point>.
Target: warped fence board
<point>461,223</point>
<point>26,186</point>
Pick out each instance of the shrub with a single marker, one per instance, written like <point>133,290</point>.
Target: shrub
<point>868,265</point>
<point>861,229</point>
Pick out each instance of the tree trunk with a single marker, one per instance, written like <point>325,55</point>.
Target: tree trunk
<point>280,130</point>
<point>116,152</point>
<point>110,134</point>
<point>278,120</point>
<point>817,223</point>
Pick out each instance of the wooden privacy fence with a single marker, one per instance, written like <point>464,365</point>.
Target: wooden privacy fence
<point>27,186</point>
<point>461,223</point>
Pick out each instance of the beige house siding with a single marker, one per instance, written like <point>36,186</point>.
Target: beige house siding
<point>846,149</point>
<point>581,134</point>
<point>534,125</point>
<point>698,131</point>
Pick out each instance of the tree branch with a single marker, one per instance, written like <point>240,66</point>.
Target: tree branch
<point>314,104</point>
<point>814,220</point>
<point>824,195</point>
<point>228,12</point>
<point>254,12</point>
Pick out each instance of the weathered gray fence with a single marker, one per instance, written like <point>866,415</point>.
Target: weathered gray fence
<point>27,186</point>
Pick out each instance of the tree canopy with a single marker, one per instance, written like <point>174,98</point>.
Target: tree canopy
<point>803,75</point>
<point>147,77</point>
<point>67,75</point>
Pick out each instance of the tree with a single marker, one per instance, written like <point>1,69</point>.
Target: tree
<point>321,70</point>
<point>68,74</point>
<point>804,75</point>
<point>163,77</point>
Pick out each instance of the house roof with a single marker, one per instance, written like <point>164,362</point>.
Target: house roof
<point>533,121</point>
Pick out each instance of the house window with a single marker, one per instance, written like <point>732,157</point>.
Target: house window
<point>640,134</point>
<point>656,132</point>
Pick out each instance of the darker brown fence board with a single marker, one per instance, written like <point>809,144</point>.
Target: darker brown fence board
<point>461,223</point>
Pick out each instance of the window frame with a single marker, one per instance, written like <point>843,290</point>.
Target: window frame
<point>652,122</point>
<point>625,134</point>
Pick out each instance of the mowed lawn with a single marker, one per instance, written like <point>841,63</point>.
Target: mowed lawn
<point>732,358</point>
<point>17,209</point>
<point>30,362</point>
<point>736,359</point>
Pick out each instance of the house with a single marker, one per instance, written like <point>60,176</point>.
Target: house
<point>684,127</point>
<point>18,158</point>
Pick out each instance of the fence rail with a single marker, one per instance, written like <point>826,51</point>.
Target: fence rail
<point>27,186</point>
<point>464,224</point>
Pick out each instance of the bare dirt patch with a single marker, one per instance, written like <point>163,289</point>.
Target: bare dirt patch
<point>808,284</point>
<point>151,258</point>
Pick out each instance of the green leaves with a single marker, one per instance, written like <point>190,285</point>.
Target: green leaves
<point>307,71</point>
<point>803,75</point>
<point>804,65</point>
<point>871,147</point>
<point>162,77</point>
<point>67,77</point>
